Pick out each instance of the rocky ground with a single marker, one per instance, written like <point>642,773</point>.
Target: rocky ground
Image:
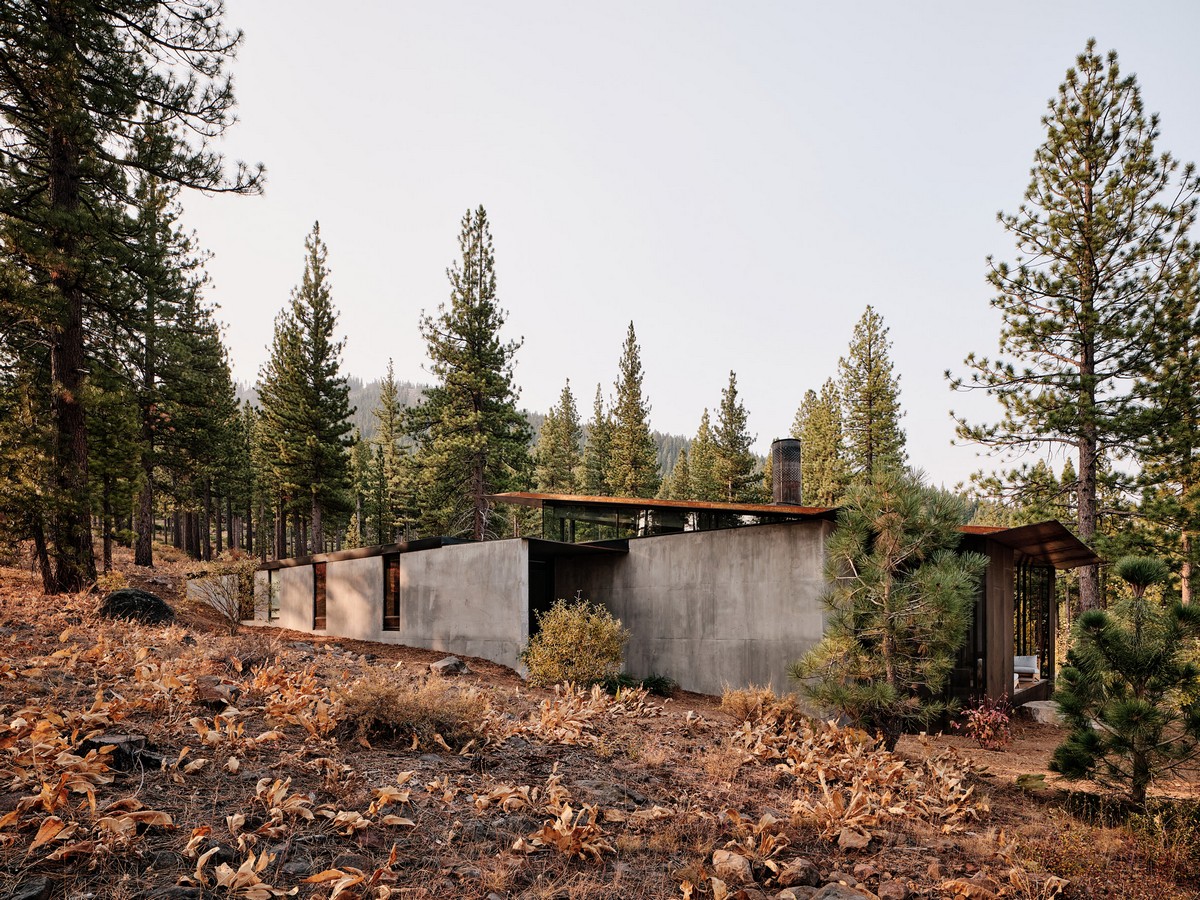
<point>181,761</point>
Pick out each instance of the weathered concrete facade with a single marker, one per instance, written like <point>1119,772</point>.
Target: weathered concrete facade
<point>464,598</point>
<point>709,609</point>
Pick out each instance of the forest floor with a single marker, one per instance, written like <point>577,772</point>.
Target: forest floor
<point>185,761</point>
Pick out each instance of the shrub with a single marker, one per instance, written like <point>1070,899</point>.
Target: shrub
<point>899,604</point>
<point>988,723</point>
<point>662,685</point>
<point>756,704</point>
<point>380,708</point>
<point>1129,691</point>
<point>578,641</point>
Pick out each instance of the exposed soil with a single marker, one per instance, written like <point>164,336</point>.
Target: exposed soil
<point>541,794</point>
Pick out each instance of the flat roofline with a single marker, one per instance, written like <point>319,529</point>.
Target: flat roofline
<point>432,543</point>
<point>539,501</point>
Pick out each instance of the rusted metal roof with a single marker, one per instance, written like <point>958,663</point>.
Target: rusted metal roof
<point>536,500</point>
<point>1048,541</point>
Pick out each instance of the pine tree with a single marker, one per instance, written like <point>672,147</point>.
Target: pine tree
<point>305,399</point>
<point>1167,425</point>
<point>394,475</point>
<point>702,463</point>
<point>633,457</point>
<point>557,456</point>
<point>1131,691</point>
<point>79,83</point>
<point>1101,243</point>
<point>593,479</point>
<point>679,485</point>
<point>870,400</point>
<point>818,427</point>
<point>471,439</point>
<point>899,604</point>
<point>734,463</point>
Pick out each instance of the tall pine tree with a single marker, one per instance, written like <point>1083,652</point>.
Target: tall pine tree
<point>818,427</point>
<point>633,459</point>
<point>1101,240</point>
<point>79,82</point>
<point>593,477</point>
<point>870,400</point>
<point>471,441</point>
<point>394,470</point>
<point>305,398</point>
<point>702,464</point>
<point>557,454</point>
<point>734,464</point>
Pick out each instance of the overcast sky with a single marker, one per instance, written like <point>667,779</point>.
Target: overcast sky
<point>740,179</point>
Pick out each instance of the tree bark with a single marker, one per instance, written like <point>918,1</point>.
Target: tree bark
<point>74,563</point>
<point>318,528</point>
<point>106,524</point>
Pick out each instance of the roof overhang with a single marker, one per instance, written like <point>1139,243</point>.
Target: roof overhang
<point>1048,542</point>
<point>540,501</point>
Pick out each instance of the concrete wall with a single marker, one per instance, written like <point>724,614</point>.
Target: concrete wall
<point>296,597</point>
<point>470,599</point>
<point>712,608</point>
<point>262,584</point>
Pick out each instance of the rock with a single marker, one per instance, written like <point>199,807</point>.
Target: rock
<point>800,871</point>
<point>1043,711</point>
<point>837,877</point>
<point>893,890</point>
<point>38,888</point>
<point>451,665</point>
<point>353,861</point>
<point>853,839</point>
<point>607,793</point>
<point>137,605</point>
<point>837,892</point>
<point>300,868</point>
<point>799,892</point>
<point>215,693</point>
<point>129,750</point>
<point>732,867</point>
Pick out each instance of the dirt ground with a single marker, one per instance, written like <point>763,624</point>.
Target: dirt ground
<point>183,761</point>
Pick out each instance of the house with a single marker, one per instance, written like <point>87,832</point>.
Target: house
<point>713,594</point>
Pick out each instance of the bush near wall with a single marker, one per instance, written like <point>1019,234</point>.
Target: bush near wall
<point>578,641</point>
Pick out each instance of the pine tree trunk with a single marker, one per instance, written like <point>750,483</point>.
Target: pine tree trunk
<point>71,526</point>
<point>217,526</point>
<point>280,529</point>
<point>1185,572</point>
<point>318,529</point>
<point>41,556</point>
<point>1089,576</point>
<point>206,523</point>
<point>176,528</point>
<point>229,520</point>
<point>479,513</point>
<point>298,543</point>
<point>106,524</point>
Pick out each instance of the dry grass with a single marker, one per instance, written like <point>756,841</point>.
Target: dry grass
<point>555,794</point>
<point>755,704</point>
<point>380,707</point>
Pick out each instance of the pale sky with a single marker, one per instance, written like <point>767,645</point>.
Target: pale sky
<point>739,179</point>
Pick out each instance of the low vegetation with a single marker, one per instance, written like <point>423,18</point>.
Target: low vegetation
<point>577,641</point>
<point>179,760</point>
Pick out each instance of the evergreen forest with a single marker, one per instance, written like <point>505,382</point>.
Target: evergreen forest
<point>121,424</point>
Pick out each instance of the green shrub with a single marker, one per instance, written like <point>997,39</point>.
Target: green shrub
<point>578,641</point>
<point>662,685</point>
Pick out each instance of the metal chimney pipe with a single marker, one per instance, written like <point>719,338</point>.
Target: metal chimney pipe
<point>785,472</point>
